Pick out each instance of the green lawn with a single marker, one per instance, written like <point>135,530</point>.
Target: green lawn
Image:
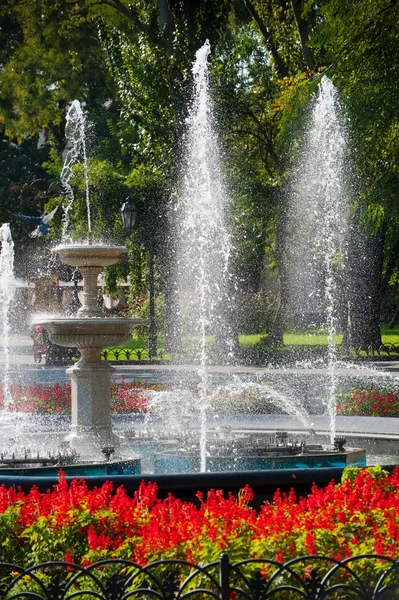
<point>319,337</point>
<point>390,336</point>
<point>304,338</point>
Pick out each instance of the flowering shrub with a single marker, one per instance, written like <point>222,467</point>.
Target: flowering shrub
<point>129,397</point>
<point>56,399</point>
<point>38,398</point>
<point>369,403</point>
<point>359,515</point>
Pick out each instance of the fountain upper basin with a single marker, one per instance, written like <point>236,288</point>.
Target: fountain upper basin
<point>80,255</point>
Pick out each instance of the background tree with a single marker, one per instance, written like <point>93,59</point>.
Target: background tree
<point>361,42</point>
<point>130,66</point>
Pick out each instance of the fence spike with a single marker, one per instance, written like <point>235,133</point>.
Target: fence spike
<point>224,575</point>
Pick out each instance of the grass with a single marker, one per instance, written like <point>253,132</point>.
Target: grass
<point>390,336</point>
<point>316,337</point>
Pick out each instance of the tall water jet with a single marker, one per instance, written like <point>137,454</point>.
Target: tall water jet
<point>7,284</point>
<point>203,241</point>
<point>317,224</point>
<point>76,151</point>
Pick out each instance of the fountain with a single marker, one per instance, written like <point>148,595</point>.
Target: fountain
<point>91,436</point>
<point>319,201</point>
<point>203,280</point>
<point>91,432</point>
<point>76,149</point>
<point>91,429</point>
<point>203,441</point>
<point>203,240</point>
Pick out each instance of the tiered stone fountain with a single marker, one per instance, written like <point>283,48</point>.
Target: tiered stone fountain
<point>90,331</point>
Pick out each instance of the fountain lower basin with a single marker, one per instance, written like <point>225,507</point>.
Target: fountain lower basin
<point>129,466</point>
<point>260,456</point>
<point>88,333</point>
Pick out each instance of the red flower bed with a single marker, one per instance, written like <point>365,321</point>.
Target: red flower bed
<point>56,399</point>
<point>130,397</point>
<point>369,403</point>
<point>357,516</point>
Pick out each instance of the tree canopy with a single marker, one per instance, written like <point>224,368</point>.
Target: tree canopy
<point>129,64</point>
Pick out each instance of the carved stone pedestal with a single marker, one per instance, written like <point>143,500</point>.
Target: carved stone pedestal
<point>91,429</point>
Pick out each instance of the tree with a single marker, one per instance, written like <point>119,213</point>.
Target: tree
<point>361,41</point>
<point>130,64</point>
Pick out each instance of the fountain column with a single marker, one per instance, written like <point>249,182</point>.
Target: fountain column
<point>91,427</point>
<point>90,307</point>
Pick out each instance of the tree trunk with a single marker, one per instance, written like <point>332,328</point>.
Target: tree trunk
<point>172,326</point>
<point>364,290</point>
<point>172,331</point>
<point>395,317</point>
<point>268,39</point>
<point>226,335</point>
<point>279,325</point>
<point>297,7</point>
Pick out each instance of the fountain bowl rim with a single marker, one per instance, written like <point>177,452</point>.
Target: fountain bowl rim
<point>86,320</point>
<point>87,246</point>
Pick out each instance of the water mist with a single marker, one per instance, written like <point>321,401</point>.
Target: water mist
<point>317,223</point>
<point>203,241</point>
<point>7,284</point>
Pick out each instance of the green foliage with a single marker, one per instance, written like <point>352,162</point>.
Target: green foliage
<point>12,549</point>
<point>351,473</point>
<point>130,64</point>
<point>292,107</point>
<point>244,88</point>
<point>361,40</point>
<point>56,60</point>
<point>279,19</point>
<point>365,402</point>
<point>108,191</point>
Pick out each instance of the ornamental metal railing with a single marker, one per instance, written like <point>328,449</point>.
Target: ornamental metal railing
<point>309,577</point>
<point>130,354</point>
<point>373,350</point>
<point>142,354</point>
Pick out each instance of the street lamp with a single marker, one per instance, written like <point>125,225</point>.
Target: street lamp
<point>128,214</point>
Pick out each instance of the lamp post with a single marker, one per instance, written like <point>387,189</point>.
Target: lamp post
<point>128,214</point>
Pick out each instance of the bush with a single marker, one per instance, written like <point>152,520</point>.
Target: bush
<point>368,402</point>
<point>56,399</point>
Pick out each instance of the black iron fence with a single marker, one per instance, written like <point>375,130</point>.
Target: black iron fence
<point>373,351</point>
<point>131,354</point>
<point>122,354</point>
<point>310,577</point>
